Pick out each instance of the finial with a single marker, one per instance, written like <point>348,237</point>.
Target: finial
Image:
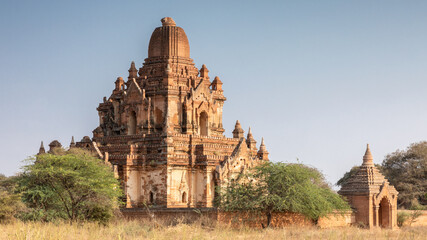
<point>238,131</point>
<point>132,70</point>
<point>41,149</point>
<point>204,71</point>
<point>168,21</point>
<point>217,80</point>
<point>250,136</point>
<point>250,140</point>
<point>367,158</point>
<point>262,152</point>
<point>72,144</point>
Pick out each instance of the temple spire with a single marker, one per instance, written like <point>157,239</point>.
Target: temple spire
<point>132,71</point>
<point>41,149</point>
<point>217,84</point>
<point>250,141</point>
<point>368,160</point>
<point>204,71</point>
<point>72,144</point>
<point>238,131</point>
<point>262,152</point>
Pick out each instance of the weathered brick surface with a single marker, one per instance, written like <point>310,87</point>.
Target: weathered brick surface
<point>371,195</point>
<point>239,219</point>
<point>162,131</point>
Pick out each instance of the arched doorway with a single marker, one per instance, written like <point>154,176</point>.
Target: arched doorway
<point>203,124</point>
<point>151,198</point>
<point>184,197</point>
<point>384,213</point>
<point>132,123</point>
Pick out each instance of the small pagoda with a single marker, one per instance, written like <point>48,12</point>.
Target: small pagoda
<point>372,198</point>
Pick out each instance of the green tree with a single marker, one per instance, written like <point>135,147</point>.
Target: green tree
<point>72,185</point>
<point>279,187</point>
<point>407,171</point>
<point>10,202</point>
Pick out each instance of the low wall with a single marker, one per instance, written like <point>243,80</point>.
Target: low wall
<point>259,220</point>
<point>337,220</point>
<point>168,215</point>
<point>238,219</point>
<point>419,221</point>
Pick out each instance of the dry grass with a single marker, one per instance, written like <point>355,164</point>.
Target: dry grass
<point>204,229</point>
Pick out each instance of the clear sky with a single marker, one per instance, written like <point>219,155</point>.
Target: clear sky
<point>317,79</point>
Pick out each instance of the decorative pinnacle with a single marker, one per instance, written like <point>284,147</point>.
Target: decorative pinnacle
<point>238,126</point>
<point>132,70</point>
<point>367,158</point>
<point>262,148</point>
<point>217,80</point>
<point>72,144</point>
<point>250,136</point>
<point>168,21</point>
<point>42,150</point>
<point>238,131</point>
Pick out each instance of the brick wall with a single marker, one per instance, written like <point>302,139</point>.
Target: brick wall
<point>239,219</point>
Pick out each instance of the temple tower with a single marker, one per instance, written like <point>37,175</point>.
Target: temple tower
<point>371,196</point>
<point>162,129</point>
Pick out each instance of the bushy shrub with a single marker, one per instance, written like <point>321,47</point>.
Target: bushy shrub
<point>10,202</point>
<point>281,187</point>
<point>71,185</point>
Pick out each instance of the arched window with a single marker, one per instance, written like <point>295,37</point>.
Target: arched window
<point>132,123</point>
<point>151,197</point>
<point>184,197</point>
<point>203,124</point>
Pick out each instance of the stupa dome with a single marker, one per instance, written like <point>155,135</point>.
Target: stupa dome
<point>169,40</point>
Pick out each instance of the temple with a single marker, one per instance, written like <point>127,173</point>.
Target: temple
<point>372,198</point>
<point>162,132</point>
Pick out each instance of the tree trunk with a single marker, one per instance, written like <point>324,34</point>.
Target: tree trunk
<point>268,218</point>
<point>268,213</point>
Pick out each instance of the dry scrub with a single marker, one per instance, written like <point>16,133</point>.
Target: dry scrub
<point>203,229</point>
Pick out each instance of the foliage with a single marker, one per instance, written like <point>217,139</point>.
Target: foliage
<point>402,217</point>
<point>71,185</point>
<point>407,171</point>
<point>10,202</point>
<point>407,217</point>
<point>281,187</point>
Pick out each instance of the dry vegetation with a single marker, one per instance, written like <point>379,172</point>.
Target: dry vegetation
<point>203,229</point>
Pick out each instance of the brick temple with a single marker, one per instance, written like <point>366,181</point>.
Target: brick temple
<point>372,198</point>
<point>162,131</point>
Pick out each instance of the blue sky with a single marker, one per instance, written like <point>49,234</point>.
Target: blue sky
<point>317,79</point>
